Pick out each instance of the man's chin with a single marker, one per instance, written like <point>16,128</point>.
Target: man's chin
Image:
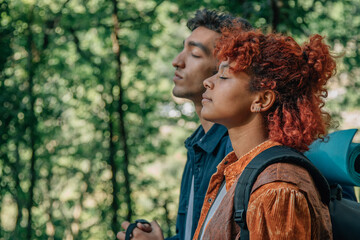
<point>179,94</point>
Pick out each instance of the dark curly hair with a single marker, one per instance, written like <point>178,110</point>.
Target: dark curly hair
<point>215,21</point>
<point>297,75</point>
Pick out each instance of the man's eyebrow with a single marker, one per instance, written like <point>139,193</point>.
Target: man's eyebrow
<point>201,46</point>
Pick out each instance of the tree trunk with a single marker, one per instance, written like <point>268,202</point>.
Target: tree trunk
<point>115,203</point>
<point>19,194</point>
<point>167,218</point>
<point>32,123</point>
<point>275,15</point>
<point>1,230</point>
<point>50,229</point>
<point>122,130</point>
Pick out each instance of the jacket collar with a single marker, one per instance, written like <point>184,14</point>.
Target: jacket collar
<point>209,141</point>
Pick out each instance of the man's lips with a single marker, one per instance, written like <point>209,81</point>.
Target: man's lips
<point>177,76</point>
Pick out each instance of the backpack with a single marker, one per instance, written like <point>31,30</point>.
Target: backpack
<point>345,214</point>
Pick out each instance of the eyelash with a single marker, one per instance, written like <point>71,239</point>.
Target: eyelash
<point>195,56</point>
<point>222,77</point>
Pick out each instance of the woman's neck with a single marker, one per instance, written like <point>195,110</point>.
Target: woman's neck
<point>245,138</point>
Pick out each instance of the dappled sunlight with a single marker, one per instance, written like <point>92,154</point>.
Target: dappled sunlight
<point>89,128</point>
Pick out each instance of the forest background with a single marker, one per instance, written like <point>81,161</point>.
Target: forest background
<point>90,134</point>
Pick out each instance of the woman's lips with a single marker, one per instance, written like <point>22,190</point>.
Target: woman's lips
<point>205,99</point>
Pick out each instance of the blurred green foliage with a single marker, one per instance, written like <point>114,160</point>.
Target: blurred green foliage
<point>59,105</point>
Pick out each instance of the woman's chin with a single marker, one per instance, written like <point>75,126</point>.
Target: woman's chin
<point>210,117</point>
<point>205,114</point>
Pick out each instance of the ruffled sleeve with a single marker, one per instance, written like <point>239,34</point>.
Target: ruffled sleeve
<point>278,210</point>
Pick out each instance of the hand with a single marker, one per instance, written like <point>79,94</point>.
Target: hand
<point>142,232</point>
<point>144,227</point>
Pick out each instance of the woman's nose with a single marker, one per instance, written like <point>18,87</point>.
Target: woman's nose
<point>209,83</point>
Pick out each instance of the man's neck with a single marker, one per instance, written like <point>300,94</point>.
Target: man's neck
<point>205,124</point>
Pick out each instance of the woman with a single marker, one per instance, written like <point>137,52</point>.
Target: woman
<point>269,91</point>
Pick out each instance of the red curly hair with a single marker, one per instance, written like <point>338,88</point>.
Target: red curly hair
<point>297,75</point>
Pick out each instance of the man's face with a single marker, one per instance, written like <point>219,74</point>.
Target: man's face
<point>194,64</point>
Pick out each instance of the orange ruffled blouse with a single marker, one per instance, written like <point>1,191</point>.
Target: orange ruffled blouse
<point>289,209</point>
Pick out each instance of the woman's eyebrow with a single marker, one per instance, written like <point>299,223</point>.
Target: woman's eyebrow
<point>223,65</point>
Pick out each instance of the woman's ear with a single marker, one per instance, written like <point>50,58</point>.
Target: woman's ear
<point>268,99</point>
<point>263,101</point>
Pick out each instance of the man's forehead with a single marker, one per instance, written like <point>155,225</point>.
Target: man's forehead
<point>204,36</point>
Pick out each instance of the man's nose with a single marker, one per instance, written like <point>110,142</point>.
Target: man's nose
<point>178,61</point>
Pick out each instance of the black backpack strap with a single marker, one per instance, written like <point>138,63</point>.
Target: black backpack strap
<point>248,177</point>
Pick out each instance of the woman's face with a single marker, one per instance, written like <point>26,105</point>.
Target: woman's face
<point>227,99</point>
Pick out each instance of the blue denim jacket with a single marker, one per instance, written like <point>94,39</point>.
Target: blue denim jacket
<point>205,152</point>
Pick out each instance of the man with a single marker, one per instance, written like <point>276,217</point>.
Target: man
<point>209,144</point>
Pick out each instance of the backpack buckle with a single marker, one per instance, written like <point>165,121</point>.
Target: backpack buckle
<point>336,192</point>
<point>240,218</point>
